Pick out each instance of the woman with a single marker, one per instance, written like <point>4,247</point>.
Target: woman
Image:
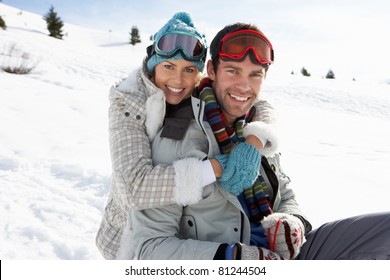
<point>138,109</point>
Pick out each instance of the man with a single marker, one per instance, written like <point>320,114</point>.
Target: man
<point>265,221</point>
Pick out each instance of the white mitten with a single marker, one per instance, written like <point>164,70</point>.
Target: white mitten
<point>285,234</point>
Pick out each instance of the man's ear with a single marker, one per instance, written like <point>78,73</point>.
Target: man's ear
<point>210,70</point>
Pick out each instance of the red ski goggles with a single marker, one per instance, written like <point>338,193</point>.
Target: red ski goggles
<point>191,47</point>
<point>235,46</point>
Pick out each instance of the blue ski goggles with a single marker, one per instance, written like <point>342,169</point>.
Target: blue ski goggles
<point>191,47</point>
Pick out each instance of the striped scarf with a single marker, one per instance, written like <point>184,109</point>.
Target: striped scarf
<point>227,137</point>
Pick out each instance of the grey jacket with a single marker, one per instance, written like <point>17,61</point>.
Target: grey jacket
<point>196,231</point>
<point>136,114</point>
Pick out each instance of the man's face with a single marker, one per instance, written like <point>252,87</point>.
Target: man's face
<point>236,86</point>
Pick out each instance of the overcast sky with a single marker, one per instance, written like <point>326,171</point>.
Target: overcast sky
<point>349,36</point>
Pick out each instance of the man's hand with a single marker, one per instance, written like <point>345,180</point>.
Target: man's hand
<point>258,253</point>
<point>285,234</point>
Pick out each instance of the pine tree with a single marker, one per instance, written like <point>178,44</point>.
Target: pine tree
<point>2,23</point>
<point>330,75</point>
<point>134,36</point>
<point>54,24</point>
<point>305,72</point>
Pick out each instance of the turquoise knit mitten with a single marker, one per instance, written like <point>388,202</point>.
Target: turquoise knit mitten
<point>240,168</point>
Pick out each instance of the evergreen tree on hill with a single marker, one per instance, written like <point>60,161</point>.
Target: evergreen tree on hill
<point>134,36</point>
<point>2,23</point>
<point>305,72</point>
<point>54,24</point>
<point>330,75</point>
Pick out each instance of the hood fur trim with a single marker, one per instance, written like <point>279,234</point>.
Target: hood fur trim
<point>155,113</point>
<point>188,189</point>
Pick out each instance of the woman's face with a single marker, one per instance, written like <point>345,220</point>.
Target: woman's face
<point>177,78</point>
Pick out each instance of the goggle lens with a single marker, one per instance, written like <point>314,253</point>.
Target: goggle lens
<point>235,46</point>
<point>192,47</point>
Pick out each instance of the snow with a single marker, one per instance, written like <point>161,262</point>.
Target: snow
<point>55,167</point>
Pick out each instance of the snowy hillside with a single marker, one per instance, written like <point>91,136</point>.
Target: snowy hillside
<point>54,157</point>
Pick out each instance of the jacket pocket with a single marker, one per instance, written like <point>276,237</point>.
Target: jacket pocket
<point>115,216</point>
<point>187,228</point>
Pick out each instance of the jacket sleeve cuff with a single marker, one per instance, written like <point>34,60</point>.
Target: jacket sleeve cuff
<point>188,188</point>
<point>265,132</point>
<point>207,174</point>
<point>155,112</point>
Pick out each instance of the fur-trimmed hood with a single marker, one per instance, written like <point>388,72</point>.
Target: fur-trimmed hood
<point>155,99</point>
